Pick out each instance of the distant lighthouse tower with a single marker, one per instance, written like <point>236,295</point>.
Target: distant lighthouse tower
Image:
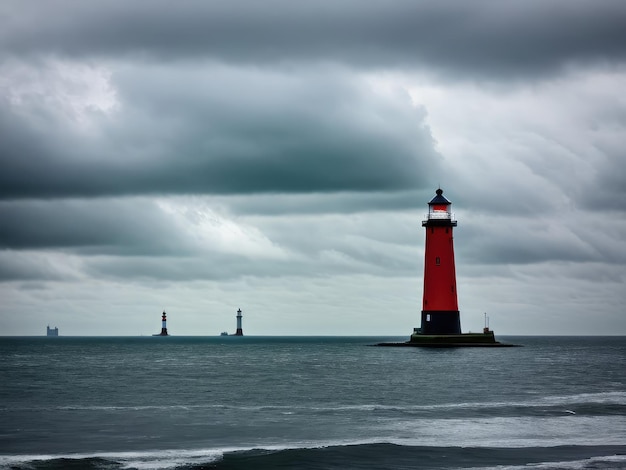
<point>440,309</point>
<point>163,325</point>
<point>239,331</point>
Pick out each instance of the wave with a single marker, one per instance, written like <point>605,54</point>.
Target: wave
<point>601,403</point>
<point>330,457</point>
<point>164,459</point>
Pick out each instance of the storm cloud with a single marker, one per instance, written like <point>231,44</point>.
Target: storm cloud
<point>482,39</point>
<point>217,130</point>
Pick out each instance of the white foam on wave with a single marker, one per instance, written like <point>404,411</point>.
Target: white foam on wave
<point>174,458</point>
<point>613,398</point>
<point>603,398</point>
<point>146,460</point>
<point>516,432</point>
<point>608,462</point>
<point>170,458</point>
<point>162,460</point>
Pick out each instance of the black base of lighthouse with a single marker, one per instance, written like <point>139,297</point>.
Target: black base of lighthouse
<point>442,329</point>
<point>441,322</point>
<point>239,332</point>
<point>463,340</point>
<point>162,333</point>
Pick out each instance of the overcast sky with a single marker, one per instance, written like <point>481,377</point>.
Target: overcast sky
<point>278,156</point>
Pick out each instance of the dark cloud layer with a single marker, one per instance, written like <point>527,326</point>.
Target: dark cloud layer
<point>330,203</point>
<point>476,39</point>
<point>137,238</point>
<point>217,131</point>
<point>15,266</point>
<point>99,226</point>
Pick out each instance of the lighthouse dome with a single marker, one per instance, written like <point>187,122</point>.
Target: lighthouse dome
<point>439,198</point>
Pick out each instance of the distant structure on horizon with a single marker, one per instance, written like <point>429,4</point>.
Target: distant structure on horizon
<point>163,325</point>
<point>52,331</point>
<point>239,331</point>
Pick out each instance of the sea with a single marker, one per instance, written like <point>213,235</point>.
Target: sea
<point>228,402</point>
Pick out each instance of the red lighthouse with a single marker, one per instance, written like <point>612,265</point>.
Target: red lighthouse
<point>440,309</point>
<point>441,321</point>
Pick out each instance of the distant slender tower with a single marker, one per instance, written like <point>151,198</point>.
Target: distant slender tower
<point>163,325</point>
<point>440,310</point>
<point>239,331</point>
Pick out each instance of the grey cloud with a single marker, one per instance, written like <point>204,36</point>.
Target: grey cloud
<point>132,238</point>
<point>607,190</point>
<point>466,39</point>
<point>221,267</point>
<point>372,238</point>
<point>90,226</point>
<point>324,203</point>
<point>139,268</point>
<point>509,240</point>
<point>21,266</point>
<point>135,238</point>
<point>224,131</point>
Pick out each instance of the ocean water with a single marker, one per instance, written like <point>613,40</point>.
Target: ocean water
<point>310,403</point>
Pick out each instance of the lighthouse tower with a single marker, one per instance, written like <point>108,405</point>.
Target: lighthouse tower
<point>163,325</point>
<point>239,331</point>
<point>440,309</point>
<point>441,322</point>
